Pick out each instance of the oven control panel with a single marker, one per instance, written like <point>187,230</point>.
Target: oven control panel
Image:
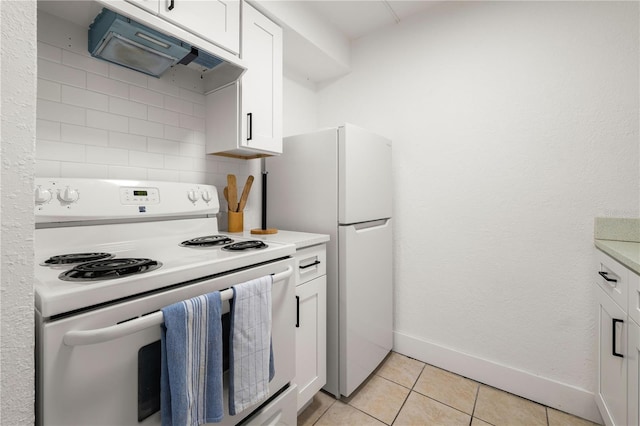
<point>74,199</point>
<point>139,196</point>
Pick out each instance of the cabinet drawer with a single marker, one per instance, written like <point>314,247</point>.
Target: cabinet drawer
<point>311,262</point>
<point>613,278</point>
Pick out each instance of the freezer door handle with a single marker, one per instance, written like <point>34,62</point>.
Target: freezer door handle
<point>364,226</point>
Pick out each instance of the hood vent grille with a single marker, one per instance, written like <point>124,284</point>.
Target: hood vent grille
<point>118,39</point>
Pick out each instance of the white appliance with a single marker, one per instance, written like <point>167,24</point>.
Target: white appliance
<point>338,181</point>
<point>109,255</point>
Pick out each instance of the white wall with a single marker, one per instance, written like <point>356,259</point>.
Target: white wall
<point>514,125</point>
<point>18,107</point>
<point>300,111</point>
<point>99,120</point>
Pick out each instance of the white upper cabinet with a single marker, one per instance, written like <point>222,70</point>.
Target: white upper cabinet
<point>152,6</point>
<point>245,120</point>
<point>214,20</point>
<point>217,21</point>
<point>261,85</point>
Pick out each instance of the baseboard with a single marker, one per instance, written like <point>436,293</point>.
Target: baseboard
<point>561,396</point>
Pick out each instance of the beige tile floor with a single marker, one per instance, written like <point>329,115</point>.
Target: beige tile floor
<point>404,391</point>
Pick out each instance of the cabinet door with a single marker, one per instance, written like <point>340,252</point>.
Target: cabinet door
<point>217,21</point>
<point>151,5</point>
<point>633,376</point>
<point>261,86</point>
<point>611,396</point>
<point>311,339</point>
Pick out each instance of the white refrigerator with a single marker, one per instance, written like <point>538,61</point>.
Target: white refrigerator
<point>337,181</point>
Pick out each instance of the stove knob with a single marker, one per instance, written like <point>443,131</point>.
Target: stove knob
<point>43,196</point>
<point>206,196</point>
<point>68,195</point>
<point>193,196</point>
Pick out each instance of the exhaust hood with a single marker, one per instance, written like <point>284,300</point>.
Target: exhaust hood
<point>122,41</point>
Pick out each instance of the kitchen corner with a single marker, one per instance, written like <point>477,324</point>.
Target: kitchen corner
<point>514,125</point>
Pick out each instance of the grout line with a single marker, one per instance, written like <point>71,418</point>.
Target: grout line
<point>368,414</point>
<point>401,406</point>
<point>475,401</point>
<point>323,413</point>
<point>418,376</point>
<point>546,414</point>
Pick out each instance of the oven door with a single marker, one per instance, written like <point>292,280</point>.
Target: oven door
<point>117,381</point>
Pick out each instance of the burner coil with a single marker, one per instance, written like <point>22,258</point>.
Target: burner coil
<point>109,269</point>
<point>66,259</point>
<point>245,245</point>
<point>207,241</point>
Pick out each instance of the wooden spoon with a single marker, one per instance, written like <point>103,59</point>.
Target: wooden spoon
<point>245,193</point>
<point>233,193</point>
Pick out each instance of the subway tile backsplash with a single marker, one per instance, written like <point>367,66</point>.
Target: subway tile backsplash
<point>99,120</point>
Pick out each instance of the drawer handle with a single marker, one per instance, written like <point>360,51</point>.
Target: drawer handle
<point>317,262</point>
<point>614,321</point>
<point>604,275</point>
<point>170,5</point>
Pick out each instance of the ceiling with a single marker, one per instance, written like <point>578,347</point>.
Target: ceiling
<point>352,18</point>
<point>356,19</point>
<point>311,59</point>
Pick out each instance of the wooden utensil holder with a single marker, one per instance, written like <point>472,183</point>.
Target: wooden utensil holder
<point>235,221</point>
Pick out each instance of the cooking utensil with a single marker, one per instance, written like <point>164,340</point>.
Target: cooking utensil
<point>225,191</point>
<point>233,193</point>
<point>245,193</point>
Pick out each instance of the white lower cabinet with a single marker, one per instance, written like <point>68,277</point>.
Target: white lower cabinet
<point>311,336</point>
<point>611,395</point>
<point>618,379</point>
<point>633,376</point>
<point>311,323</point>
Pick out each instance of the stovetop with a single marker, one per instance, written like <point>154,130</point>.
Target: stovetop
<point>177,263</point>
<point>134,223</point>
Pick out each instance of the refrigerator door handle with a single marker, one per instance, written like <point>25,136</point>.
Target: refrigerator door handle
<point>362,226</point>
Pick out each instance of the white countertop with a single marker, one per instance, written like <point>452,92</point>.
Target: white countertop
<point>300,239</point>
<point>625,252</point>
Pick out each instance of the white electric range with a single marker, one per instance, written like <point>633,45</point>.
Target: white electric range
<point>109,255</point>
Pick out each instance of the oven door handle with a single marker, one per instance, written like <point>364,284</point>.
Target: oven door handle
<point>101,335</point>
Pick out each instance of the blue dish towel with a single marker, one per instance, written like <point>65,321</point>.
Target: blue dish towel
<point>251,365</point>
<point>191,363</point>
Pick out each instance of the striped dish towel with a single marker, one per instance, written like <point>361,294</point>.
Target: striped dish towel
<point>191,363</point>
<point>251,357</point>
